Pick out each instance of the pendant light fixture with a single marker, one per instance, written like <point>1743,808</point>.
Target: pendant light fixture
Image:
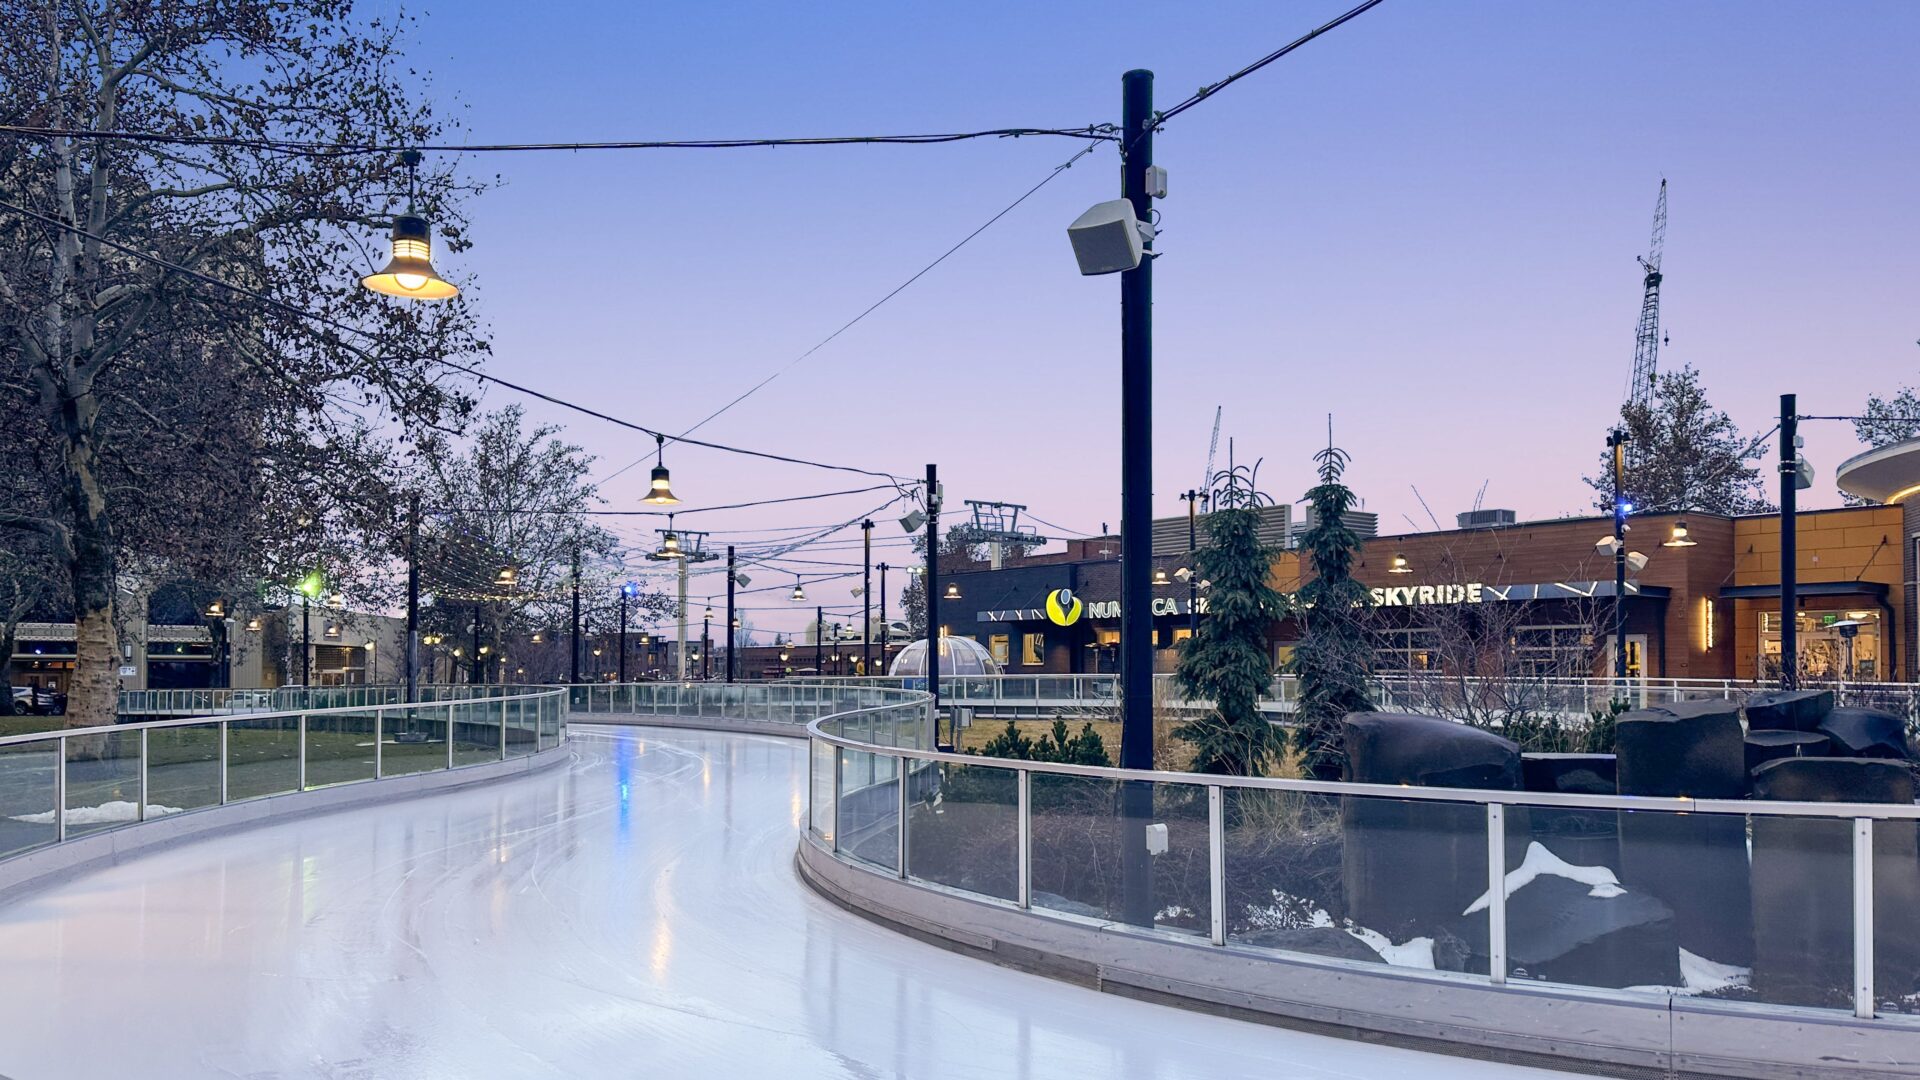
<point>1679,537</point>
<point>660,492</point>
<point>799,593</point>
<point>1399,566</point>
<point>409,272</point>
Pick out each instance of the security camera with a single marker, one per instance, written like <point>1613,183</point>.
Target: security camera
<point>1108,238</point>
<point>913,522</point>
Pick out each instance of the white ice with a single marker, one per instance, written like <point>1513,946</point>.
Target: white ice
<point>632,914</point>
<point>1540,861</point>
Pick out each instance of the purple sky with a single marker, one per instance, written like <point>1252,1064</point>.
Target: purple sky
<point>1424,224</point>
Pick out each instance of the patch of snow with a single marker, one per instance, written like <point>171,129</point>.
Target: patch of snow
<point>107,813</point>
<point>1415,953</point>
<point>1177,911</point>
<point>1541,861</point>
<point>1699,975</point>
<point>1290,912</point>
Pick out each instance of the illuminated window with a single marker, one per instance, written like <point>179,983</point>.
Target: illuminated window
<point>1033,648</point>
<point>997,645</point>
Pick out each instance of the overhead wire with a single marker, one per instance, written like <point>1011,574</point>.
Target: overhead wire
<point>1213,88</point>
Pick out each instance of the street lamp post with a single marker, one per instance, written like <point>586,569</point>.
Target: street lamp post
<point>1789,544</point>
<point>819,668</point>
<point>1617,442</point>
<point>626,591</point>
<point>733,624</point>
<point>1193,571</point>
<point>706,640</point>
<point>475,673</point>
<point>932,579</point>
<point>573,659</point>
<point>1136,507</point>
<point>886,632</point>
<point>866,596</point>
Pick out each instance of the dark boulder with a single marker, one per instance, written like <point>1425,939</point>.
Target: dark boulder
<point>1318,941</point>
<point>1788,710</point>
<point>1689,748</point>
<point>1803,882</point>
<point>1558,930</point>
<point>1388,843</point>
<point>1765,746</point>
<point>1866,733</point>
<point>1572,774</point>
<point>1400,748</point>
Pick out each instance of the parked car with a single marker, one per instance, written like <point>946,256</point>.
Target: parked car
<point>43,700</point>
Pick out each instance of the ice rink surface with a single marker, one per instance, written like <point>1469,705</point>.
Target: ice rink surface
<point>633,914</point>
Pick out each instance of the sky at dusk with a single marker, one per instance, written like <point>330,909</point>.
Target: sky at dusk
<point>1423,224</point>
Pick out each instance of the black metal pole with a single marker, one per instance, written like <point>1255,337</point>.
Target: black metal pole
<point>306,646</point>
<point>886,632</point>
<point>574,664</point>
<point>1136,508</point>
<point>819,662</point>
<point>933,598</point>
<point>733,634</point>
<point>1789,545</point>
<point>474,672</point>
<point>413,598</point>
<point>1617,442</point>
<point>706,645</point>
<point>866,596</point>
<point>623,634</point>
<point>1193,570</point>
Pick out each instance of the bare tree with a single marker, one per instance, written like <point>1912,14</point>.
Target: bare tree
<point>247,399</point>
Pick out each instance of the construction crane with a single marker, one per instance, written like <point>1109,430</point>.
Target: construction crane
<point>1213,447</point>
<point>1646,340</point>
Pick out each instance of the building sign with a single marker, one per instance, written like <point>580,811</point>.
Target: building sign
<point>1064,608</point>
<point>1421,595</point>
<point>1162,605</point>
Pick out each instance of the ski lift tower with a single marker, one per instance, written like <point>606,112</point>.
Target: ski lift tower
<point>997,524</point>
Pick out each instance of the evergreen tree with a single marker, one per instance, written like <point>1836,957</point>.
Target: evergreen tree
<point>1226,661</point>
<point>1684,454</point>
<point>1335,656</point>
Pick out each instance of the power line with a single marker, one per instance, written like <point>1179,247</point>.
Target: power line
<point>1213,88</point>
<point>297,148</point>
<point>348,328</point>
<point>875,306</point>
<point>662,513</point>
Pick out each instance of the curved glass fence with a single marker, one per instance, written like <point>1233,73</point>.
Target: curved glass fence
<point>62,784</point>
<point>1804,904</point>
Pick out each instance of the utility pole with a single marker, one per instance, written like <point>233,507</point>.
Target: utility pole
<point>866,596</point>
<point>819,664</point>
<point>733,634</point>
<point>413,597</point>
<point>1617,442</point>
<point>1789,544</point>
<point>1193,570</point>
<point>574,667</point>
<point>306,646</point>
<point>1136,508</point>
<point>933,598</point>
<point>683,618</point>
<point>706,640</point>
<point>886,632</point>
<point>625,591</point>
<point>474,674</point>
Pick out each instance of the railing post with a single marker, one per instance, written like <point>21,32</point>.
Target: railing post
<point>900,780</point>
<point>302,779</point>
<point>1863,918</point>
<point>503,729</point>
<point>1497,893</point>
<point>449,736</point>
<point>223,763</point>
<point>1023,816</point>
<point>60,789</point>
<point>143,774</point>
<point>379,737</point>
<point>838,758</point>
<point>1217,862</point>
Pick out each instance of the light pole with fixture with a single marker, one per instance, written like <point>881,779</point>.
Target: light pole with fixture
<point>627,592</point>
<point>310,587</point>
<point>409,272</point>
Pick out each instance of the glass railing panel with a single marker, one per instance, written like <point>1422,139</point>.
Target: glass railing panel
<point>183,770</point>
<point>103,781</point>
<point>868,810</point>
<point>476,733</point>
<point>28,790</point>
<point>413,740</point>
<point>522,731</point>
<point>1076,845</point>
<point>340,747</point>
<point>963,829</point>
<point>263,757</point>
<point>820,791</point>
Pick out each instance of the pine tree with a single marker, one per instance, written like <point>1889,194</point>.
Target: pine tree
<point>1226,661</point>
<point>1684,454</point>
<point>1335,656</point>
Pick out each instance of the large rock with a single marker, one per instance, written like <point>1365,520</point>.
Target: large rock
<point>1582,837</point>
<point>1583,929</point>
<point>1765,746</point>
<point>1695,863</point>
<point>1571,774</point>
<point>1318,941</point>
<point>1866,733</point>
<point>1401,748</point>
<point>1390,844</point>
<point>1689,748</point>
<point>1803,883</point>
<point>1789,710</point>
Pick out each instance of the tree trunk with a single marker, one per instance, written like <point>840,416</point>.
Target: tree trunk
<point>93,695</point>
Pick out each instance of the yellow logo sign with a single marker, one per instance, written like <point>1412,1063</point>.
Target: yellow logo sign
<point>1064,608</point>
